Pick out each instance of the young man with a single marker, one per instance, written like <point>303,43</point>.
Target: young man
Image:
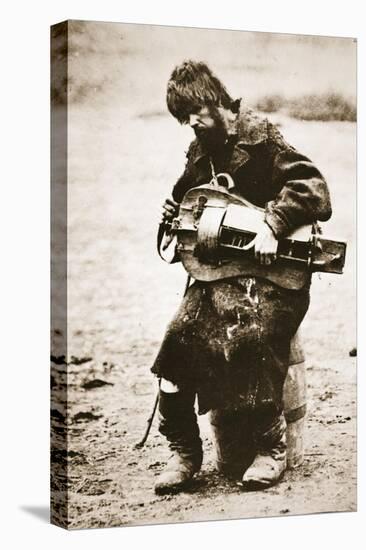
<point>229,342</point>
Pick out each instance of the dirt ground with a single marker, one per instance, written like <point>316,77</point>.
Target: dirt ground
<point>121,296</point>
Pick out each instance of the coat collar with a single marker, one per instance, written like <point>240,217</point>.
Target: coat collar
<point>248,129</point>
<point>251,128</point>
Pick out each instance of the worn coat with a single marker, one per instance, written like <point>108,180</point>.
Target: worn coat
<point>230,339</point>
<point>266,170</point>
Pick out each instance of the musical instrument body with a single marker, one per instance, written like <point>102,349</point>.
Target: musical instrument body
<point>213,226</point>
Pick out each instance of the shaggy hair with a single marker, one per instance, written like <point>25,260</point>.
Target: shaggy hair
<point>192,85</point>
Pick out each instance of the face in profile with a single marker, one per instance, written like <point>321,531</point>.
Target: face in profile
<point>208,125</point>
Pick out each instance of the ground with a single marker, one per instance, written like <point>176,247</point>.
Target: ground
<point>121,297</point>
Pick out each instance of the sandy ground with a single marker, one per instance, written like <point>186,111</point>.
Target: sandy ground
<point>121,297</point>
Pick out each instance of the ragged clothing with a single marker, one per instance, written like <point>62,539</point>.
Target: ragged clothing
<point>266,170</point>
<point>230,341</point>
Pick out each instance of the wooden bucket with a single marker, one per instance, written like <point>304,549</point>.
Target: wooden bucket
<point>235,449</point>
<point>294,399</point>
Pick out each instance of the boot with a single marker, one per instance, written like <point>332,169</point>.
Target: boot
<point>270,462</point>
<point>233,442</point>
<point>178,423</point>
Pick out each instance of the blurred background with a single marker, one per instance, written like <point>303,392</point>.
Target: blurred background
<point>310,77</point>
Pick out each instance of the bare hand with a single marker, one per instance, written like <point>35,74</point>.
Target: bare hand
<point>265,245</point>
<point>169,210</point>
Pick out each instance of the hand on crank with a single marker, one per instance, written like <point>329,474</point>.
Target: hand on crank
<point>265,245</point>
<point>169,210</point>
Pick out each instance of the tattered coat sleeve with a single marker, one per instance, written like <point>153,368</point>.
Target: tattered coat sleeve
<point>301,193</point>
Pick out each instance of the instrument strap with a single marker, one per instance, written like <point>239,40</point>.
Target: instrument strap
<point>214,179</point>
<point>159,240</point>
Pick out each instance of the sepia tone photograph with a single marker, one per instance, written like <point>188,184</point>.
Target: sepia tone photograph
<point>203,323</point>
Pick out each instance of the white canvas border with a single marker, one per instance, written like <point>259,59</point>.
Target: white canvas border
<point>25,223</point>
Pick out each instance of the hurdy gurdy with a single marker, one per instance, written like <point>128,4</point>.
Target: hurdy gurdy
<point>214,225</point>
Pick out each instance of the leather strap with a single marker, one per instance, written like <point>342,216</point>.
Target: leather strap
<point>159,240</point>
